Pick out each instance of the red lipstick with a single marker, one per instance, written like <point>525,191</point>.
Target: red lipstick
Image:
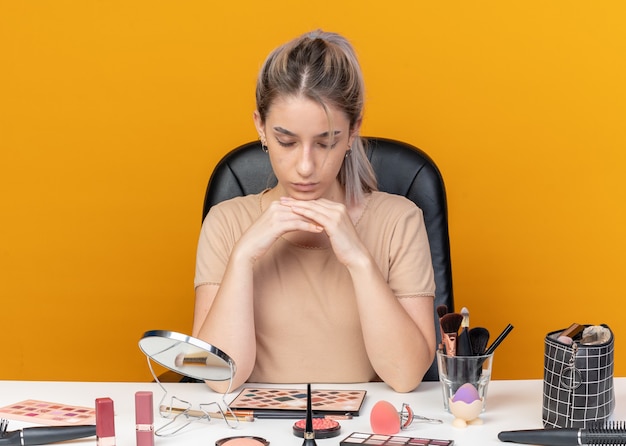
<point>105,422</point>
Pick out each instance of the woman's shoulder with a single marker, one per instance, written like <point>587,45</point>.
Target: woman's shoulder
<point>247,205</point>
<point>390,203</point>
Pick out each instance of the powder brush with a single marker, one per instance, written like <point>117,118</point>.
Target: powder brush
<point>479,338</point>
<point>596,434</point>
<point>450,324</point>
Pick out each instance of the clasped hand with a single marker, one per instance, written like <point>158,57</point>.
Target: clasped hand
<point>313,216</point>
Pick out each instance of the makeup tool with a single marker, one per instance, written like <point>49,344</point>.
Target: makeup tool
<point>450,324</point>
<point>322,427</point>
<point>360,438</point>
<point>479,338</point>
<point>49,413</point>
<point>186,355</point>
<point>466,405</point>
<point>463,345</point>
<point>309,433</point>
<point>30,436</point>
<point>498,340</point>
<point>441,310</point>
<point>192,358</point>
<point>105,422</point>
<point>234,415</point>
<point>291,403</point>
<point>610,433</point>
<point>242,441</point>
<point>572,330</point>
<point>144,418</point>
<point>385,419</point>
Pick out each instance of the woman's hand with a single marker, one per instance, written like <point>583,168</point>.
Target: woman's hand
<point>278,219</point>
<point>335,220</point>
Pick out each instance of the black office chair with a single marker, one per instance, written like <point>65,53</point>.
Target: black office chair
<point>400,168</point>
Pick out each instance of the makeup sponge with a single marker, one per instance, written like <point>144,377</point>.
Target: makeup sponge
<point>384,418</point>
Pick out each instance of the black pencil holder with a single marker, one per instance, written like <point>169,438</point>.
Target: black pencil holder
<point>577,381</point>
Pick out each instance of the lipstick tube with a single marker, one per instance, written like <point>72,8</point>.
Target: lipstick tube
<point>105,422</point>
<point>144,418</point>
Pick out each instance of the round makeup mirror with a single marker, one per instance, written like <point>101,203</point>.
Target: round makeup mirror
<point>187,355</point>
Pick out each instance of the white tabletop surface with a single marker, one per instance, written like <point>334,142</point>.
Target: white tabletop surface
<point>510,405</point>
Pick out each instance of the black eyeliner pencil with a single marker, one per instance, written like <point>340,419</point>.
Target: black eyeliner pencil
<point>309,433</point>
<point>611,433</point>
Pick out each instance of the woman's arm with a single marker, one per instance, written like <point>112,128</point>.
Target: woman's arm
<point>224,313</point>
<point>399,334</point>
<point>224,317</point>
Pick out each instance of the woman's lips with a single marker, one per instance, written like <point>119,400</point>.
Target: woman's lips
<point>304,187</point>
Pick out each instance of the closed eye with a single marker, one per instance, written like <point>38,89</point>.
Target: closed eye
<point>326,145</point>
<point>285,143</point>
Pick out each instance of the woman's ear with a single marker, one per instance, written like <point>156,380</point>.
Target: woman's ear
<point>354,131</point>
<point>259,124</point>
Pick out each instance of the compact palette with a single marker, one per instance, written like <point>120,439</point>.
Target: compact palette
<point>323,402</point>
<point>52,414</point>
<point>390,440</point>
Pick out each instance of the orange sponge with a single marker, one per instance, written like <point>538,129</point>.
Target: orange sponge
<point>384,418</point>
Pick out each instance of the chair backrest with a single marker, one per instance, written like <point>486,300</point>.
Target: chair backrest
<point>400,168</point>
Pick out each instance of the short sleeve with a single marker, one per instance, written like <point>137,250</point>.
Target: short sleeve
<point>222,227</point>
<point>410,264</point>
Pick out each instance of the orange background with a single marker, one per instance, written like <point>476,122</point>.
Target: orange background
<point>113,114</point>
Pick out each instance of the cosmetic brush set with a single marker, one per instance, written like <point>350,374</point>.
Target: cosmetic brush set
<point>458,339</point>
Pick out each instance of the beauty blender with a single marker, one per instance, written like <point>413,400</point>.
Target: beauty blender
<point>384,418</point>
<point>466,393</point>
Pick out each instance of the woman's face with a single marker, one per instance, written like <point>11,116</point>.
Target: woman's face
<point>305,156</point>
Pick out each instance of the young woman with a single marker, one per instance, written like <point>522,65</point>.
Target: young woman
<point>321,278</point>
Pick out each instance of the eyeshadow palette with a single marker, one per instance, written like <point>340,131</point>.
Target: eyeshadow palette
<point>322,401</point>
<point>357,438</point>
<point>52,414</point>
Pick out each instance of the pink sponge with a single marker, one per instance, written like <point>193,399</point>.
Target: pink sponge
<point>385,419</point>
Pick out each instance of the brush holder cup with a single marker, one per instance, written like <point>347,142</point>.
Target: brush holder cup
<point>464,381</point>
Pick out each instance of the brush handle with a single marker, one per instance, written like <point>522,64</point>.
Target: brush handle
<point>499,339</point>
<point>567,436</point>
<point>463,345</point>
<point>544,437</point>
<point>32,436</point>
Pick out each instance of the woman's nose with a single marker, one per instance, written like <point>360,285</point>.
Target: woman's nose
<point>306,164</point>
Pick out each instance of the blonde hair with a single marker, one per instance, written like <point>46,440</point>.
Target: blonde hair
<point>323,67</point>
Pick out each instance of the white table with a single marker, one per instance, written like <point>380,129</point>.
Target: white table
<point>510,405</point>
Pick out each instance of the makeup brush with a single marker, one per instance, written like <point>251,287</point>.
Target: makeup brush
<point>463,345</point>
<point>30,436</point>
<point>441,310</point>
<point>309,433</point>
<point>450,324</point>
<point>498,340</point>
<point>609,433</point>
<point>479,337</point>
